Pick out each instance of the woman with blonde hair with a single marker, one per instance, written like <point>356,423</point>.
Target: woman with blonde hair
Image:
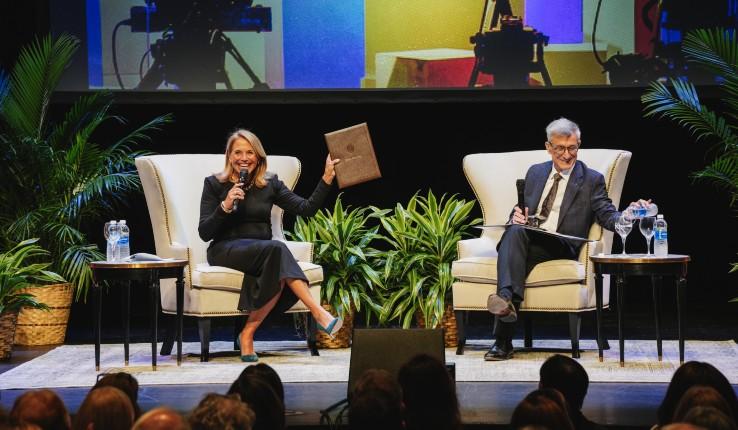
<point>235,213</point>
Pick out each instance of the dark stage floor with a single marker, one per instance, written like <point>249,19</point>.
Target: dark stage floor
<point>484,405</point>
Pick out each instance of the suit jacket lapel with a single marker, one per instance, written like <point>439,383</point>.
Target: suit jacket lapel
<point>572,189</point>
<point>539,182</point>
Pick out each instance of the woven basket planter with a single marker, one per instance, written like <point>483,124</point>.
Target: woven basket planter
<point>342,338</point>
<point>39,327</point>
<point>7,331</point>
<point>448,322</point>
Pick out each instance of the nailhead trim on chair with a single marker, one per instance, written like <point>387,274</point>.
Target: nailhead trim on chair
<point>166,224</point>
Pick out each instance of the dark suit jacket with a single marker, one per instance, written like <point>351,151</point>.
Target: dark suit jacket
<point>585,198</point>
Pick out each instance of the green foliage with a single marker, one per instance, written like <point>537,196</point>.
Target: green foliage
<point>716,51</point>
<point>19,269</point>
<point>57,177</point>
<point>342,238</point>
<point>417,267</point>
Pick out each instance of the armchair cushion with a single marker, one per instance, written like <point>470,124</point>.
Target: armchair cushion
<point>484,270</point>
<point>210,277</point>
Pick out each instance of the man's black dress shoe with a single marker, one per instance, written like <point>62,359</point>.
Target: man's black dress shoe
<point>500,351</point>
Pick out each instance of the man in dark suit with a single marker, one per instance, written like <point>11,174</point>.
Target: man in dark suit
<point>565,196</point>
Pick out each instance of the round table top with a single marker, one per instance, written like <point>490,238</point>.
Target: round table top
<point>138,264</point>
<point>639,258</point>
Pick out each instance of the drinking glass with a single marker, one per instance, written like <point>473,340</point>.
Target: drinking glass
<point>112,234</point>
<point>646,228</point>
<point>623,226</point>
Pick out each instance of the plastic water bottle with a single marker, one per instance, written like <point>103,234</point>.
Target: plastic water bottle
<point>112,235</point>
<point>641,211</point>
<point>660,236</point>
<point>124,245</point>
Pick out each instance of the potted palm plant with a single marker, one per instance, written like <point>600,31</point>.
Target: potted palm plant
<point>715,51</point>
<point>417,268</point>
<point>58,177</point>
<point>20,271</point>
<point>343,238</point>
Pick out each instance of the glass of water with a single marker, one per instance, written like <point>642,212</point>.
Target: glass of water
<point>623,227</point>
<point>646,227</point>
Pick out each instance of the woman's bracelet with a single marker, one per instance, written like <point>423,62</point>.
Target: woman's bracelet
<point>222,206</point>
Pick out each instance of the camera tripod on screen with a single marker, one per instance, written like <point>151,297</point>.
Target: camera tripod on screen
<point>509,53</point>
<point>192,50</point>
<point>195,66</point>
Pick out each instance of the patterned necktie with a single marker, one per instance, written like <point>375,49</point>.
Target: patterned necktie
<point>549,201</point>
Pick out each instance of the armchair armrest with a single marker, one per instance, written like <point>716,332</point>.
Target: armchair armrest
<point>178,251</point>
<point>478,247</point>
<point>302,251</point>
<point>589,249</point>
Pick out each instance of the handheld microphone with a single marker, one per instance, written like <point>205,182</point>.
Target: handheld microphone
<point>520,185</point>
<point>243,177</point>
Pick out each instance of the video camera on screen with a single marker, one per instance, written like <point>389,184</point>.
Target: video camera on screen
<point>190,55</point>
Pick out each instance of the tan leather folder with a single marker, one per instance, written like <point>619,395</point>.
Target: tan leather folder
<point>353,146</point>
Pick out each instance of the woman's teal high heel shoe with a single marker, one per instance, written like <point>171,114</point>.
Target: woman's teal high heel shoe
<point>248,358</point>
<point>332,327</point>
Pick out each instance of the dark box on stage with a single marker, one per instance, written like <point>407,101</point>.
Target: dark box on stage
<point>390,348</point>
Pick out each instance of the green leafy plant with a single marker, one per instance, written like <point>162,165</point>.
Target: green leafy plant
<point>716,51</point>
<point>20,269</point>
<point>57,177</point>
<point>417,267</point>
<point>342,238</point>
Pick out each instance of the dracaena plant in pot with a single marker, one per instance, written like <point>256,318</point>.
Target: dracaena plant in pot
<point>21,271</point>
<point>343,237</point>
<point>416,270</point>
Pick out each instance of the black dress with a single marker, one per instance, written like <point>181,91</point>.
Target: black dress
<point>242,240</point>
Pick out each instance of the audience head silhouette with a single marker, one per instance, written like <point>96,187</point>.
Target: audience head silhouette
<point>429,394</point>
<point>105,408</point>
<point>125,382</point>
<point>376,402</point>
<point>43,408</point>
<point>701,396</point>
<point>261,398</point>
<point>566,375</point>
<point>219,412</point>
<point>161,418</point>
<point>688,375</point>
<point>543,407</point>
<point>268,375</point>
<point>709,418</point>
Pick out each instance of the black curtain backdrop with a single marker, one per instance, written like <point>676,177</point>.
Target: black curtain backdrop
<point>421,138</point>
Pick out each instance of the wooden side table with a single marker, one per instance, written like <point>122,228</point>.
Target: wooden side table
<point>622,266</point>
<point>149,273</point>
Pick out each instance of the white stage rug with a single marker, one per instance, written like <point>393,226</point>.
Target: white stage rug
<point>73,365</point>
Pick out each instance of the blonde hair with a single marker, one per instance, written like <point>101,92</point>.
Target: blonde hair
<point>261,164</point>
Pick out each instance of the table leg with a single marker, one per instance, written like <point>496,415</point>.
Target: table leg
<point>656,286</point>
<point>154,286</point>
<point>180,313</point>
<point>98,316</point>
<point>598,307</point>
<point>681,290</point>
<point>620,281</point>
<point>127,320</point>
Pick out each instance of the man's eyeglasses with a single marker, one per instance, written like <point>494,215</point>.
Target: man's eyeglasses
<point>559,149</point>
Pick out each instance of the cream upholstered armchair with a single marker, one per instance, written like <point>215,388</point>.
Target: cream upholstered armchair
<point>553,286</point>
<point>173,185</point>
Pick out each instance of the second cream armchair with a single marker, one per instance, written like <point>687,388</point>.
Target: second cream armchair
<point>554,286</point>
